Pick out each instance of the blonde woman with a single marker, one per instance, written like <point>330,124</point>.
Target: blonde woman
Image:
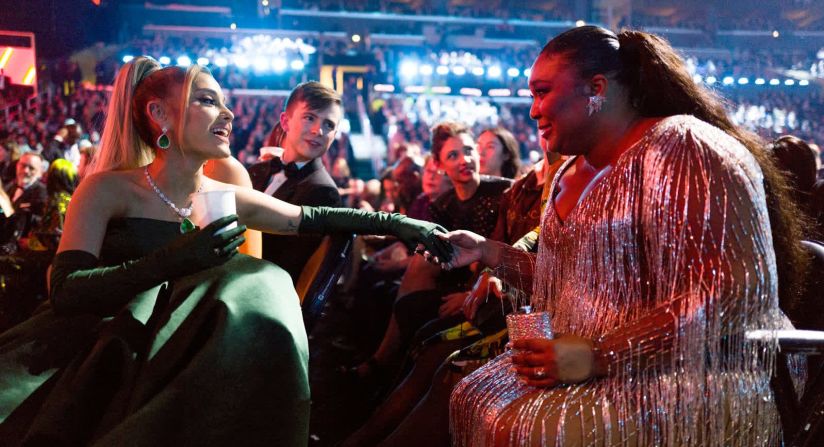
<point>160,333</point>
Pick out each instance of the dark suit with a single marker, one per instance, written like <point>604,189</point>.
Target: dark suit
<point>312,186</point>
<point>28,211</point>
<point>56,149</point>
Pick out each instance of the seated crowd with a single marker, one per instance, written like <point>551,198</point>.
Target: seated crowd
<point>430,342</point>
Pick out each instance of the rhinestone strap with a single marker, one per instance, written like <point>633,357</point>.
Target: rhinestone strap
<point>182,212</point>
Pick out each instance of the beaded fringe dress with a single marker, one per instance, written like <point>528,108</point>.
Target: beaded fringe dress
<point>665,263</point>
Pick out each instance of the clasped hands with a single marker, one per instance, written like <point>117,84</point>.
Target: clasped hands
<point>567,359</point>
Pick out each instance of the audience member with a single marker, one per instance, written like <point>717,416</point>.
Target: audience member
<point>500,156</point>
<point>28,199</point>
<point>425,291</point>
<point>307,127</point>
<point>797,160</point>
<point>407,177</point>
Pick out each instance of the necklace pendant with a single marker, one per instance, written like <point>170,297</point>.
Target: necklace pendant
<point>186,226</point>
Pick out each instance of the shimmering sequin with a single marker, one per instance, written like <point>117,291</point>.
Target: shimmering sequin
<point>665,264</point>
<point>528,325</point>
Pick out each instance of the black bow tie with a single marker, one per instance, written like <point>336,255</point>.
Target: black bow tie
<point>289,169</point>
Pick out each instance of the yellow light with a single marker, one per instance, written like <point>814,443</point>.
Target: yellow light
<point>5,57</point>
<point>29,78</point>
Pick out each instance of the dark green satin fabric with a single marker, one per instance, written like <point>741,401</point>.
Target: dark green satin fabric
<point>215,358</point>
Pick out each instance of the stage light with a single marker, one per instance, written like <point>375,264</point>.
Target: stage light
<point>728,80</point>
<point>442,70</point>
<point>697,78</point>
<point>804,82</point>
<point>425,70</point>
<point>458,70</point>
<point>441,90</point>
<point>221,62</point>
<point>409,69</point>
<point>776,34</point>
<point>279,64</point>
<point>241,62</point>
<point>524,93</point>
<point>500,92</point>
<point>28,78</point>
<point>356,38</point>
<point>774,82</point>
<point>203,61</point>
<point>478,71</point>
<point>184,61</point>
<point>527,72</point>
<point>760,81</point>
<point>743,81</point>
<point>466,91</point>
<point>233,26</point>
<point>513,72</point>
<point>387,88</point>
<point>260,64</point>
<point>710,80</point>
<point>164,60</point>
<point>414,89</point>
<point>580,23</point>
<point>4,59</point>
<point>789,82</point>
<point>297,64</point>
<point>127,58</point>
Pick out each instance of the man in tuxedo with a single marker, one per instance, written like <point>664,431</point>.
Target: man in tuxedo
<point>28,199</point>
<point>64,144</point>
<point>309,123</point>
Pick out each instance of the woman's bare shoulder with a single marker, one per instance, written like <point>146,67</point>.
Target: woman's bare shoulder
<point>228,170</point>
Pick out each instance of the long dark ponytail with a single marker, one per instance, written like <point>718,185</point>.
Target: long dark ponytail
<point>659,85</point>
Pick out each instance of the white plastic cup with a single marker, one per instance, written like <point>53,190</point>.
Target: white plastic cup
<point>210,206</point>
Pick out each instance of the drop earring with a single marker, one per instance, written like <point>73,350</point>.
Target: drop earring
<point>163,141</point>
<point>594,104</point>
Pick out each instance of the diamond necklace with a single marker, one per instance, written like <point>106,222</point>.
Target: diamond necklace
<point>186,225</point>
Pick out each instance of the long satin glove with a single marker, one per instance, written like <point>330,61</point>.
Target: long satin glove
<point>79,285</point>
<point>323,220</point>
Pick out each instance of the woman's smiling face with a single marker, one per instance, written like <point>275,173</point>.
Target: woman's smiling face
<point>558,105</point>
<point>208,120</point>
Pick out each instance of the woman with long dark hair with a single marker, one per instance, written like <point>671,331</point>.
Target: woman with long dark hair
<point>668,235</point>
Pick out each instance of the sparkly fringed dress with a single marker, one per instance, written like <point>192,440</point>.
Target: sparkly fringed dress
<point>665,263</point>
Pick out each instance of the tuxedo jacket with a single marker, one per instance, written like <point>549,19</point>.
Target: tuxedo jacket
<point>28,211</point>
<point>311,185</point>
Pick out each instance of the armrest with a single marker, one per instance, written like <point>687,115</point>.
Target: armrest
<point>792,341</point>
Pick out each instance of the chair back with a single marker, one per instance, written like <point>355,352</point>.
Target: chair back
<point>802,417</point>
<point>319,276</point>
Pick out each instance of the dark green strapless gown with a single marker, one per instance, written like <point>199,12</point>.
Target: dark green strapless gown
<point>215,358</point>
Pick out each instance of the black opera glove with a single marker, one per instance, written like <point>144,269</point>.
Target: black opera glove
<point>323,220</point>
<point>80,285</point>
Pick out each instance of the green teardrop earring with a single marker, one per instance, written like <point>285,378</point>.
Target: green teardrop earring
<point>163,140</point>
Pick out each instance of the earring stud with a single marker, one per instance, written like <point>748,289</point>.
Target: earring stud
<point>594,104</point>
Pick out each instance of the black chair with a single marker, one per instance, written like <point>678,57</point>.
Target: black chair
<point>320,275</point>
<point>802,417</point>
